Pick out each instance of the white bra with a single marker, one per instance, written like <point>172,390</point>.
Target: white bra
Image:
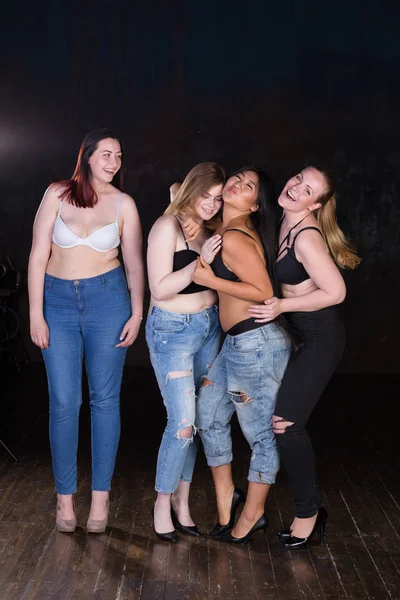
<point>102,240</point>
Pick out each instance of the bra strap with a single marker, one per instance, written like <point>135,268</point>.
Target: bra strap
<point>304,229</point>
<point>241,231</point>
<point>119,205</point>
<point>59,209</point>
<point>287,237</point>
<point>184,239</point>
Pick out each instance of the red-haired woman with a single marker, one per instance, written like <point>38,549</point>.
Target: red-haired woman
<point>83,306</point>
<point>311,242</point>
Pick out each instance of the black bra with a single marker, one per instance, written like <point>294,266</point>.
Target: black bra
<point>288,269</point>
<point>182,259</point>
<point>218,266</point>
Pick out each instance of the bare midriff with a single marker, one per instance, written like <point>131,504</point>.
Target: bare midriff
<point>80,262</point>
<point>187,303</point>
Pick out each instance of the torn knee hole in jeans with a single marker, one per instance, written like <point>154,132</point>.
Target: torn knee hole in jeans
<point>186,432</point>
<point>240,397</point>
<point>280,424</point>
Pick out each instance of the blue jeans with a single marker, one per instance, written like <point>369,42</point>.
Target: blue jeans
<point>85,319</point>
<point>180,342</point>
<point>245,377</point>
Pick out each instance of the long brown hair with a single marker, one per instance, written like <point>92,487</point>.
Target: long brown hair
<point>198,181</point>
<point>342,250</point>
<point>78,190</point>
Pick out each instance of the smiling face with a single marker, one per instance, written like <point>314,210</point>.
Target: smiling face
<point>302,191</point>
<point>241,191</point>
<point>106,160</point>
<point>209,203</point>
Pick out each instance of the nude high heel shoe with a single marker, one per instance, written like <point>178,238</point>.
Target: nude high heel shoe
<point>65,525</point>
<point>98,525</point>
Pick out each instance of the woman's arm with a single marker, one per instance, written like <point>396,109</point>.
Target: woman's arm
<point>173,190</point>
<point>240,256</point>
<point>312,253</point>
<point>131,246</point>
<point>38,259</point>
<point>165,284</point>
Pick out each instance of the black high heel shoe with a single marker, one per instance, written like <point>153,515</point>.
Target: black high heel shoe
<point>284,534</point>
<point>295,543</point>
<point>237,499</point>
<point>260,525</point>
<point>185,529</point>
<point>170,536</point>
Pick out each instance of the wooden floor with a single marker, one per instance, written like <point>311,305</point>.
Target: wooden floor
<point>355,431</point>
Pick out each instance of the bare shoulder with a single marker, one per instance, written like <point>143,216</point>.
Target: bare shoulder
<point>166,225</point>
<point>235,239</point>
<point>309,238</point>
<point>52,197</point>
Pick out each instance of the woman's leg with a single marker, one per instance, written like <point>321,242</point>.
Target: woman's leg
<point>256,364</point>
<point>107,308</point>
<point>202,362</point>
<point>214,411</point>
<point>173,340</point>
<point>63,361</point>
<point>305,379</point>
<point>177,441</point>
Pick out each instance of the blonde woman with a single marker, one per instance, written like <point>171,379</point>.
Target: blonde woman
<point>183,336</point>
<point>310,243</point>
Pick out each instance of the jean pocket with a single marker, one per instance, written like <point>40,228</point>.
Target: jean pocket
<point>169,325</point>
<point>246,344</point>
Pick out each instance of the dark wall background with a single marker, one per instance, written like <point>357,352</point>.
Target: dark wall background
<point>280,84</point>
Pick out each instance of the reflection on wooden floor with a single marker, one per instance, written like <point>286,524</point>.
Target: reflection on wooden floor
<point>356,435</point>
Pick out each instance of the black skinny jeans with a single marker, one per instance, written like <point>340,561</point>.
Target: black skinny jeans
<point>306,377</point>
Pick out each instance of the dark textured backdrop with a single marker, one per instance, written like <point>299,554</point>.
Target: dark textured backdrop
<point>280,84</point>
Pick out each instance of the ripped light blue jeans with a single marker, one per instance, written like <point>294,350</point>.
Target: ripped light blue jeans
<point>245,377</point>
<point>182,349</point>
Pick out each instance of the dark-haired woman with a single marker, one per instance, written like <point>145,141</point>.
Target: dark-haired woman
<point>83,306</point>
<point>310,244</point>
<point>246,375</point>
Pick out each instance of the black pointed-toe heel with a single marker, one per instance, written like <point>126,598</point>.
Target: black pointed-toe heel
<point>260,525</point>
<point>185,529</point>
<point>170,536</point>
<point>284,534</point>
<point>295,543</point>
<point>237,499</point>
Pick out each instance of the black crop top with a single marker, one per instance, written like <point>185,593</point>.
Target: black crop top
<point>288,269</point>
<point>218,266</point>
<point>182,259</point>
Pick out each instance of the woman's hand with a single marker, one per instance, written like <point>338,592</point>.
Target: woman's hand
<point>191,229</point>
<point>271,309</point>
<point>40,333</point>
<point>129,332</point>
<point>203,274</point>
<point>210,248</point>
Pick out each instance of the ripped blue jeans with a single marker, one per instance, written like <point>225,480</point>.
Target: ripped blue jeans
<point>182,349</point>
<point>245,377</point>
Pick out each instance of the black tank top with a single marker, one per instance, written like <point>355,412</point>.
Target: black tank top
<point>182,259</point>
<point>218,266</point>
<point>288,269</point>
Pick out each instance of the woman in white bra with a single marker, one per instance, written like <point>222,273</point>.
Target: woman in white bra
<point>83,306</point>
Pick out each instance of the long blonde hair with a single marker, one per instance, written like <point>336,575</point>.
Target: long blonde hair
<point>341,249</point>
<point>198,181</point>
